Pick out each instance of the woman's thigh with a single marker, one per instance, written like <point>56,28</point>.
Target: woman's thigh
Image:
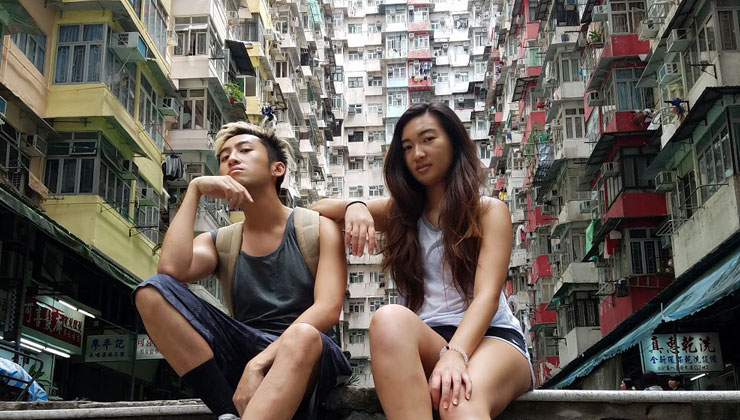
<point>500,373</point>
<point>397,328</point>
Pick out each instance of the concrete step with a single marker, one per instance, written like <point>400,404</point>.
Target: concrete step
<point>362,404</point>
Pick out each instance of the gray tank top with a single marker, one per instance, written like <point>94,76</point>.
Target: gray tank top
<point>271,291</point>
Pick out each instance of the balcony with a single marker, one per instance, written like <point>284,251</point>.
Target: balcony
<point>617,47</point>
<point>562,38</point>
<point>400,82</point>
<point>540,268</point>
<point>395,111</point>
<point>391,53</point>
<point>395,27</point>
<point>420,83</point>
<point>419,53</point>
<point>464,114</point>
<point>459,60</point>
<point>576,342</point>
<point>575,273</point>
<point>614,309</point>
<point>543,316</point>
<point>570,213</point>
<point>424,26</point>
<point>442,60</point>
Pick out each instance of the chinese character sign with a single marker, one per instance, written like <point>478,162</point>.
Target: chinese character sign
<point>145,348</point>
<point>690,352</point>
<point>108,348</point>
<point>64,325</point>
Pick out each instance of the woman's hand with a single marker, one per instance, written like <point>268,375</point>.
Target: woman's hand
<point>359,227</point>
<point>448,379</point>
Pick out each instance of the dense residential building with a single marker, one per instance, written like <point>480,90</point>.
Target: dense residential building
<point>387,56</point>
<point>617,123</point>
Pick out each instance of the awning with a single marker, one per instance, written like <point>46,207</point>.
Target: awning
<point>678,145</point>
<point>521,86</point>
<point>648,79</point>
<point>690,293</point>
<point>239,54</point>
<point>17,204</point>
<point>601,150</point>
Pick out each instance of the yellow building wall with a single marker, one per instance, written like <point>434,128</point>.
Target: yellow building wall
<point>97,224</point>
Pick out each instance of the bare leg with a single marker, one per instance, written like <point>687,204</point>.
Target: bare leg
<point>499,373</point>
<point>177,340</point>
<point>404,352</point>
<point>294,369</point>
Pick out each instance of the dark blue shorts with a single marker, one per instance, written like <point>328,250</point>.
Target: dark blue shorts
<point>234,343</point>
<point>506,334</point>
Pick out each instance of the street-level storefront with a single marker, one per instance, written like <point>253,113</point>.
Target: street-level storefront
<point>66,313</point>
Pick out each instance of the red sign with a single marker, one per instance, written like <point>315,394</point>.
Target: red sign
<point>53,322</point>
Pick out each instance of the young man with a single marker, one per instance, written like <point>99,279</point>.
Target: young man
<point>271,361</point>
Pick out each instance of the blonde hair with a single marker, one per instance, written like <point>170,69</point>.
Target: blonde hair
<point>278,149</point>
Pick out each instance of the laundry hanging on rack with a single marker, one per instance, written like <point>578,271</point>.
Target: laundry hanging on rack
<point>172,168</point>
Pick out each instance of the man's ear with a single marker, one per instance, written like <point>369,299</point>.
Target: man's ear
<point>278,169</point>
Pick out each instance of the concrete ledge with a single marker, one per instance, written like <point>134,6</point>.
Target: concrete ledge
<point>362,404</point>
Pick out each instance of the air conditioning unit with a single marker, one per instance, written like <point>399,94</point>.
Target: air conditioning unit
<point>600,13</point>
<point>609,169</point>
<point>267,85</point>
<point>411,7</point>
<point>585,206</point>
<point>679,40</point>
<point>195,169</point>
<point>569,5</point>
<point>129,46</point>
<point>34,145</point>
<point>411,35</point>
<point>170,107</point>
<point>460,99</point>
<point>171,38</point>
<point>445,46</point>
<point>233,17</point>
<point>648,28</point>
<point>268,34</point>
<point>668,72</point>
<point>594,98</point>
<point>665,181</point>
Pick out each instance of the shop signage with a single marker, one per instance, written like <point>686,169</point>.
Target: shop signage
<point>55,321</point>
<point>108,348</point>
<point>689,352</point>
<point>145,348</point>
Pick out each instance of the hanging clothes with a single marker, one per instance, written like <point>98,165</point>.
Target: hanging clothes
<point>172,168</point>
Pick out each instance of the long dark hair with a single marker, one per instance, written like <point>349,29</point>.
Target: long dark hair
<point>459,217</point>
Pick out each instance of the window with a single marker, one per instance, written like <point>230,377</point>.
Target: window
<point>358,367</point>
<point>355,164</point>
<point>121,80</point>
<point>356,305</point>
<point>155,20</point>
<point>354,28</point>
<point>626,16</point>
<point>356,277</point>
<point>336,159</point>
<point>10,155</point>
<point>442,78</point>
<point>355,109</point>
<point>354,55</point>
<point>483,150</point>
<point>461,76</point>
<point>729,26</point>
<point>420,42</point>
<point>420,68</point>
<point>355,136</point>
<point>377,277</point>
<point>376,191</point>
<point>354,82</point>
<point>375,53</point>
<point>375,109</point>
<point>644,251</point>
<point>575,123</point>
<point>375,81</point>
<point>192,35</point>
<point>397,98</point>
<point>337,73</point>
<point>356,337</point>
<point>375,303</point>
<point>192,114</point>
<point>377,163</point>
<point>281,69</point>
<point>579,310</point>
<point>419,14</point>
<point>715,159</point>
<point>396,71</point>
<point>479,67</point>
<point>570,67</point>
<point>688,196</point>
<point>376,135</point>
<point>149,115</point>
<point>628,96</point>
<point>395,15</point>
<point>703,47</point>
<point>356,191</point>
<point>79,53</point>
<point>374,29</point>
<point>33,46</point>
<point>633,166</point>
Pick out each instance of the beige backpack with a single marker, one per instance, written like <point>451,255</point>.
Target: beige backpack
<point>229,243</point>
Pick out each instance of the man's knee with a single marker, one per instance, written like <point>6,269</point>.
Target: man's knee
<point>302,343</point>
<point>389,324</point>
<point>148,299</point>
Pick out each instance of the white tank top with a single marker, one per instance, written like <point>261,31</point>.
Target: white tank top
<point>443,304</point>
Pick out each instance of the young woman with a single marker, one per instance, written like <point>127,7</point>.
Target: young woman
<point>454,346</point>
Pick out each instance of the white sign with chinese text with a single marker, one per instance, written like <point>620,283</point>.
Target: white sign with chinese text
<point>145,348</point>
<point>108,348</point>
<point>689,352</point>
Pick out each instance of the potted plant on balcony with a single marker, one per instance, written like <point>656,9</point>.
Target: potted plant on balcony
<point>233,92</point>
<point>595,39</point>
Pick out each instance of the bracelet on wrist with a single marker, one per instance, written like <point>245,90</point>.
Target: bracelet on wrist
<point>457,349</point>
<point>354,202</point>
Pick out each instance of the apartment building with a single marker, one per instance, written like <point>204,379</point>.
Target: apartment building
<point>596,102</point>
<point>387,56</point>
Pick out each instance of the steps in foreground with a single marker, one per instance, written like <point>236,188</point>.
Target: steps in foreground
<point>362,404</point>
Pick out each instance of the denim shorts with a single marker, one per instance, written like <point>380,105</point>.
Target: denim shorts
<point>508,335</point>
<point>234,343</point>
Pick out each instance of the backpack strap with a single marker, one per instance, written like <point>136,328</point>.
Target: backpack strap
<point>228,244</point>
<point>306,223</point>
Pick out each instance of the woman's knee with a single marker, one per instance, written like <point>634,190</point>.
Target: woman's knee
<point>466,410</point>
<point>390,325</point>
